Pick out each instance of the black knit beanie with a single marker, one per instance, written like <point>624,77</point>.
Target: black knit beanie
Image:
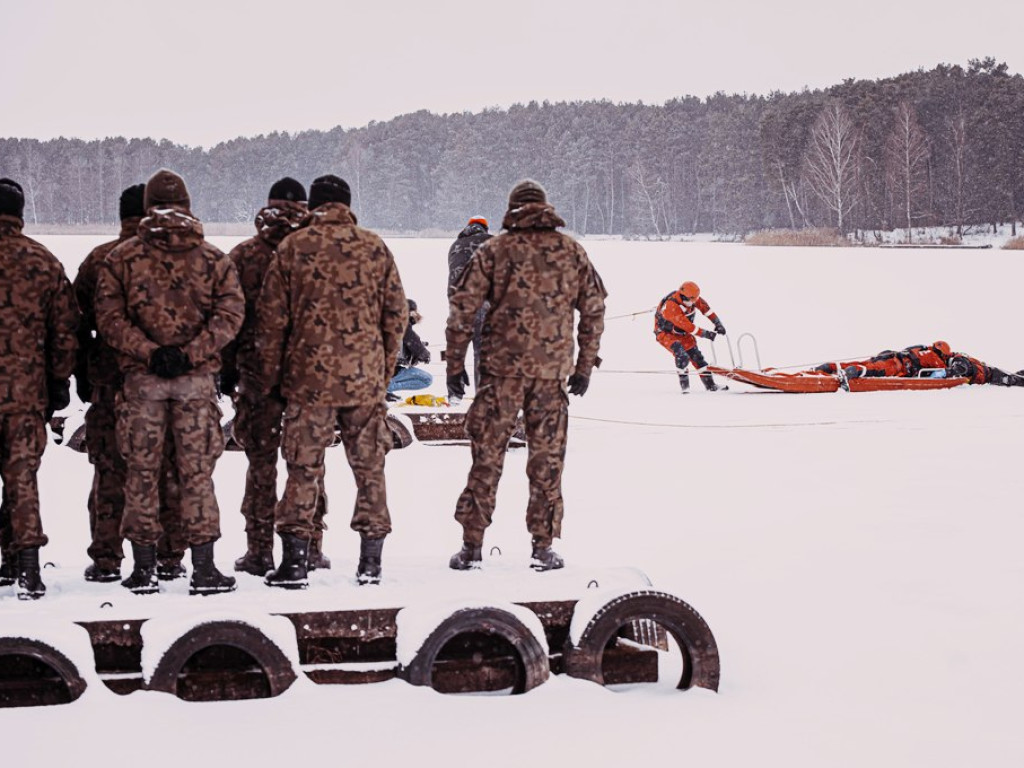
<point>526,191</point>
<point>166,188</point>
<point>131,202</point>
<point>287,189</point>
<point>329,189</point>
<point>12,198</point>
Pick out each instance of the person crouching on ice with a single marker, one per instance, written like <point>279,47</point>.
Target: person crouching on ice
<point>675,330</point>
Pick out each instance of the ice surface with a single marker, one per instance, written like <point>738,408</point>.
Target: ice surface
<point>857,556</point>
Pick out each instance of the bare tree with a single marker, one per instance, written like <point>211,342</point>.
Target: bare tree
<point>956,137</point>
<point>830,163</point>
<point>906,159</point>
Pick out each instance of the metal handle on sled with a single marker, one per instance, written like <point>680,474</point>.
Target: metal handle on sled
<point>714,353</point>
<point>753,341</point>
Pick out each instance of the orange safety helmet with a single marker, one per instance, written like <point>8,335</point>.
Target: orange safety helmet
<point>479,220</point>
<point>943,347</point>
<point>690,290</point>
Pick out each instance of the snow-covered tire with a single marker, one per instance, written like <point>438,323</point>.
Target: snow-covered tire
<point>701,665</point>
<point>532,662</point>
<point>401,435</point>
<point>62,685</point>
<point>275,666</point>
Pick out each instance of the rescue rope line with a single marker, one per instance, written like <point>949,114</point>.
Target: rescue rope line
<point>730,426</point>
<point>631,314</point>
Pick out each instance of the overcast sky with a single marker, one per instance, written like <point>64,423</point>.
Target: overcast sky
<point>201,72</point>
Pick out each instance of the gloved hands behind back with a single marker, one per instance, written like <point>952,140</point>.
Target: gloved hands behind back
<point>169,362</point>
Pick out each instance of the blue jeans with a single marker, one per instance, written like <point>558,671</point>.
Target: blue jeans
<point>410,378</point>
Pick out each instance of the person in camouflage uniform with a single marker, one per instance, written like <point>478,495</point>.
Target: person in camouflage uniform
<point>257,424</point>
<point>98,380</point>
<point>331,318</point>
<point>535,278</point>
<point>38,323</point>
<point>460,254</point>
<point>168,302</point>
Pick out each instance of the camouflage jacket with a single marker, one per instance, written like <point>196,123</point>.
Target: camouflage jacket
<point>38,320</point>
<point>332,313</point>
<point>251,259</point>
<point>168,287</point>
<point>462,250</point>
<point>534,279</point>
<point>97,361</point>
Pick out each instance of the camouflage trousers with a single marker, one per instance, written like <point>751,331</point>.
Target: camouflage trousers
<point>257,428</point>
<point>106,498</point>
<point>22,441</point>
<point>490,423</point>
<point>151,411</point>
<point>307,433</point>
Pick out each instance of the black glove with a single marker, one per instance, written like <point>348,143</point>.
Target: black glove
<point>227,384</point>
<point>578,384</point>
<point>58,396</point>
<point>169,362</point>
<point>457,383</point>
<point>423,357</point>
<point>719,328</point>
<point>709,335</point>
<point>83,387</point>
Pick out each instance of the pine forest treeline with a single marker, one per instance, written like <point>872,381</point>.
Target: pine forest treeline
<point>929,148</point>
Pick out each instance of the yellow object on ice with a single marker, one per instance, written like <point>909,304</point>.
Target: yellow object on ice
<point>428,400</point>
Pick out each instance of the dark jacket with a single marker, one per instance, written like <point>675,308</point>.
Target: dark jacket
<point>462,250</point>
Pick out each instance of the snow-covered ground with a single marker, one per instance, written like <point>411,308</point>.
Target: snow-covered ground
<point>857,556</point>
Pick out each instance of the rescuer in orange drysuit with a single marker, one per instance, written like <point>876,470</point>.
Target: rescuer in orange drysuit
<point>675,331</point>
<point>906,362</point>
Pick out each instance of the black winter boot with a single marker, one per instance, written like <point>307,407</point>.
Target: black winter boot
<point>292,573</point>
<point>545,558</point>
<point>258,560</point>
<point>30,583</point>
<point>169,570</point>
<point>684,383</point>
<point>142,579</point>
<point>368,570</point>
<point>709,383</point>
<point>317,558</point>
<point>97,573</point>
<point>8,573</point>
<point>206,579</point>
<point>467,558</point>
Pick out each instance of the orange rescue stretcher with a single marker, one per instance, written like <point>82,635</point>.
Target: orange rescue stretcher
<point>806,382</point>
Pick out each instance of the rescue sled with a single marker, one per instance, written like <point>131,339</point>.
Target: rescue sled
<point>778,381</point>
<point>888,383</point>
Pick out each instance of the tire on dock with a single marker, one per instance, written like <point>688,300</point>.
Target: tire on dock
<point>480,649</point>
<point>34,674</point>
<point>223,660</point>
<point>617,618</point>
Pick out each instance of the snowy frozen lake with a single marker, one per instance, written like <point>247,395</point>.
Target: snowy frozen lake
<point>857,556</point>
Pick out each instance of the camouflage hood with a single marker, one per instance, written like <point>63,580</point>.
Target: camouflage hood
<point>171,229</point>
<point>333,213</point>
<point>532,216</point>
<point>275,222</point>
<point>10,225</point>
